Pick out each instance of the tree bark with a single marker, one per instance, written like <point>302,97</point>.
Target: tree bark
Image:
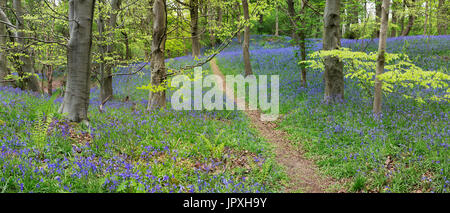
<point>394,19</point>
<point>302,37</point>
<point>106,90</point>
<point>212,37</point>
<point>334,76</point>
<point>411,20</point>
<point>32,82</point>
<point>378,16</point>
<point>261,22</point>
<point>303,55</point>
<point>426,19</point>
<point>442,18</point>
<point>3,54</point>
<point>292,14</point>
<point>194,28</point>
<point>127,46</point>
<point>3,60</point>
<point>276,21</point>
<point>355,12</point>
<point>246,45</point>
<point>76,98</point>
<point>402,19</point>
<point>102,50</point>
<point>50,80</point>
<point>157,99</point>
<point>381,57</point>
<point>219,21</point>
<point>238,17</point>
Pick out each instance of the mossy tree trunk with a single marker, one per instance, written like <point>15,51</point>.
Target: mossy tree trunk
<point>381,57</point>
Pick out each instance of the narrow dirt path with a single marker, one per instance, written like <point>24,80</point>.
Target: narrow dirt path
<point>302,172</point>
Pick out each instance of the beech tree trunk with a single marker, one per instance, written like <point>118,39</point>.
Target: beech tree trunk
<point>238,17</point>
<point>381,57</point>
<point>3,31</point>
<point>402,19</point>
<point>355,12</point>
<point>303,55</point>
<point>334,76</point>
<point>3,67</point>
<point>426,19</point>
<point>292,15</point>
<point>102,50</point>
<point>50,79</point>
<point>106,90</point>
<point>157,99</point>
<point>32,82</point>
<point>394,19</point>
<point>411,19</point>
<point>261,21</point>
<point>442,18</point>
<point>246,45</point>
<point>378,16</point>
<point>276,21</point>
<point>194,28</point>
<point>212,37</point>
<point>76,98</point>
<point>127,46</point>
<point>302,37</point>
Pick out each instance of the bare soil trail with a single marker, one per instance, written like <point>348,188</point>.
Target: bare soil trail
<point>302,172</point>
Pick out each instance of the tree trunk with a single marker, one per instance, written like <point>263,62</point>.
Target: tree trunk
<point>106,91</point>
<point>26,67</point>
<point>3,40</point>
<point>238,18</point>
<point>180,17</point>
<point>127,46</point>
<point>194,28</point>
<point>212,37</point>
<point>381,57</point>
<point>246,45</point>
<point>50,80</point>
<point>378,16</point>
<point>102,50</point>
<point>355,12</point>
<point>276,22</point>
<point>3,67</point>
<point>394,19</point>
<point>426,19</point>
<point>219,16</point>
<point>411,20</point>
<point>302,36</point>
<point>303,55</point>
<point>402,19</point>
<point>334,76</point>
<point>442,18</point>
<point>157,99</point>
<point>261,21</point>
<point>293,15</point>
<point>219,21</point>
<point>76,98</point>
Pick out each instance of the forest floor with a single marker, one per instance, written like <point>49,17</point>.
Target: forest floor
<point>303,173</point>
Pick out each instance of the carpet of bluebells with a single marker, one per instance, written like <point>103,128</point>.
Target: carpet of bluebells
<point>127,149</point>
<point>404,150</point>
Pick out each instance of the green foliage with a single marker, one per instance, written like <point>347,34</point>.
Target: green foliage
<point>39,131</point>
<point>20,79</point>
<point>214,147</point>
<point>399,73</point>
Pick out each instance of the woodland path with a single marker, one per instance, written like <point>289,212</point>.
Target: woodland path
<point>303,173</point>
